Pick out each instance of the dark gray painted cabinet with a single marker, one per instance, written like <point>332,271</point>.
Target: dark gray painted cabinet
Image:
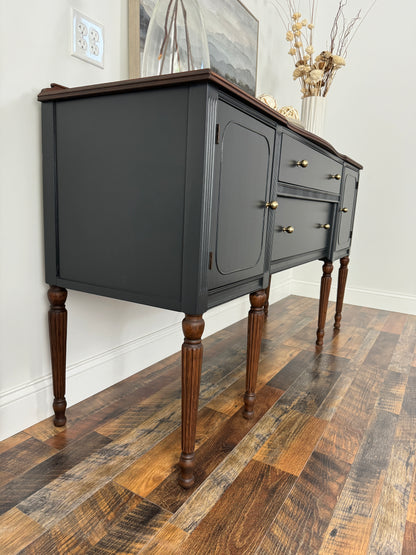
<point>156,191</point>
<point>183,192</point>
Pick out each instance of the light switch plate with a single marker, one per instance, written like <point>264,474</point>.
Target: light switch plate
<point>87,39</point>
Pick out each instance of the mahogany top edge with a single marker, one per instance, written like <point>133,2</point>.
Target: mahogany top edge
<point>59,92</point>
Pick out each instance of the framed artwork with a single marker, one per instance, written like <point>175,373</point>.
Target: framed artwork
<point>232,33</point>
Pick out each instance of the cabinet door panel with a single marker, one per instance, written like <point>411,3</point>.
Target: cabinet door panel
<point>347,203</point>
<point>242,178</point>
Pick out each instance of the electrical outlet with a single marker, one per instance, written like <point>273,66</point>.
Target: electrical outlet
<point>87,39</point>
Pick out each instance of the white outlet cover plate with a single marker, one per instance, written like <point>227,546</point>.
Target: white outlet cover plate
<point>87,39</point>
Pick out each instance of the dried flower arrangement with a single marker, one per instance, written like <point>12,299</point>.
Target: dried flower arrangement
<point>316,75</point>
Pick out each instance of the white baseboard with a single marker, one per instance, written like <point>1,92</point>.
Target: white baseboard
<point>281,286</point>
<point>382,300</point>
<point>31,402</point>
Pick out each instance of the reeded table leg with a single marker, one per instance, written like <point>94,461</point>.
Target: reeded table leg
<point>57,317</point>
<point>326,281</point>
<point>254,333</point>
<point>342,281</point>
<point>193,327</point>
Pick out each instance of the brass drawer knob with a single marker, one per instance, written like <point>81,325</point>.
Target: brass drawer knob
<point>345,210</point>
<point>288,229</point>
<point>325,226</point>
<point>273,205</point>
<point>337,176</point>
<point>302,163</point>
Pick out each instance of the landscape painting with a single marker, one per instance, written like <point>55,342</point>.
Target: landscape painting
<point>232,33</point>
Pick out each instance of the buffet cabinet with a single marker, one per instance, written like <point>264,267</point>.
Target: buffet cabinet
<point>183,192</point>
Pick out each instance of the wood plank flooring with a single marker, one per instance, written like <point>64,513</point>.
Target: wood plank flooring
<point>327,465</point>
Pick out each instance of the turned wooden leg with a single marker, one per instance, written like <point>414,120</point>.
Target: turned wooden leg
<point>193,327</point>
<point>57,337</point>
<point>323,300</point>
<point>342,280</point>
<point>266,304</point>
<point>254,332</point>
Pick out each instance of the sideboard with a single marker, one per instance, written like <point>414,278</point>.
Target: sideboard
<point>183,192</point>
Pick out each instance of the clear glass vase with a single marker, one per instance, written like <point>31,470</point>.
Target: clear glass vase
<point>176,39</point>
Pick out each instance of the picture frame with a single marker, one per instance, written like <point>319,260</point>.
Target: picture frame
<point>232,33</point>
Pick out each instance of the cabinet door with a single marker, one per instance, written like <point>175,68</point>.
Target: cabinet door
<point>347,209</point>
<point>242,180</point>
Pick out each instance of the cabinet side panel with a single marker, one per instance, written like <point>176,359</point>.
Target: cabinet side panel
<point>49,190</point>
<point>120,183</point>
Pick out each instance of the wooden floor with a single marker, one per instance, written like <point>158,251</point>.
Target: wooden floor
<point>327,465</point>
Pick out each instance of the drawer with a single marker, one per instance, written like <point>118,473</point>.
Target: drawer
<point>298,227</point>
<point>320,171</point>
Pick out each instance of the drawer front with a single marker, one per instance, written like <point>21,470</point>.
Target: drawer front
<point>298,227</point>
<point>319,173</point>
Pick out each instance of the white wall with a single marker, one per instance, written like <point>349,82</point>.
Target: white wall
<point>107,339</point>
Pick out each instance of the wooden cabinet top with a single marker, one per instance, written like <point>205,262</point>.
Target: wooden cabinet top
<point>61,93</point>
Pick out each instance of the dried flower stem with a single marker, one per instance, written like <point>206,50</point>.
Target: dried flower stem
<point>171,21</point>
<point>317,75</point>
